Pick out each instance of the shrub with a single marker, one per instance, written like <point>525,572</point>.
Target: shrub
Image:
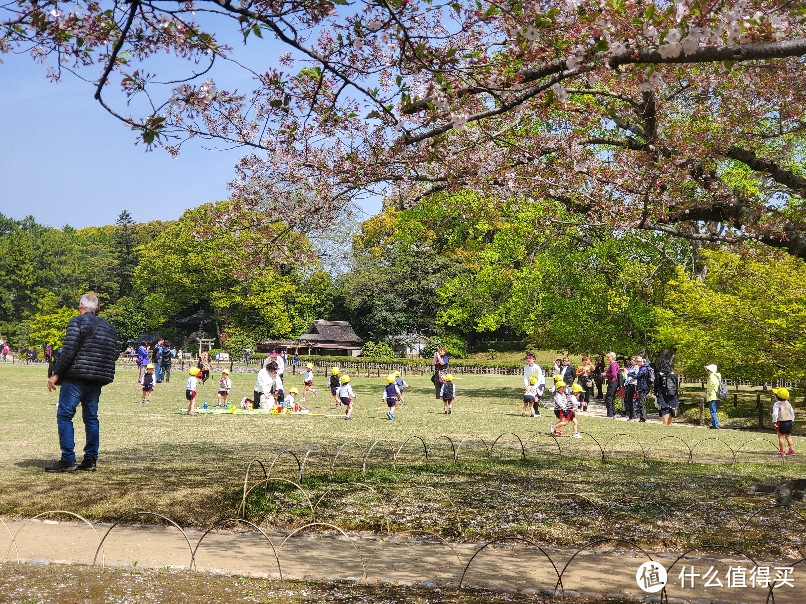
<point>377,350</point>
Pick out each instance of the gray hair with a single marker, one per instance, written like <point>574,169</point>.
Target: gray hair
<point>89,302</point>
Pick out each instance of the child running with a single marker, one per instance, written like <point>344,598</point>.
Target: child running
<point>391,394</point>
<point>574,403</point>
<point>224,386</point>
<point>148,384</point>
<point>334,384</point>
<point>564,411</point>
<point>190,390</point>
<point>346,396</point>
<point>448,394</point>
<point>783,416</point>
<point>402,385</point>
<point>307,378</point>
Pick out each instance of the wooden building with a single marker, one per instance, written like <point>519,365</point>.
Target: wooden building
<point>322,338</point>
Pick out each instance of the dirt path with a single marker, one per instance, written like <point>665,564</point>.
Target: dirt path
<point>508,567</point>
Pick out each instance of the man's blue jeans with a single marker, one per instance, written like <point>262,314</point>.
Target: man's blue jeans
<point>70,395</point>
<point>712,409</point>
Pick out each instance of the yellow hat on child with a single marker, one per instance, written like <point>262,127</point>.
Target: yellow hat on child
<point>781,393</point>
<point>390,378</point>
<point>577,388</point>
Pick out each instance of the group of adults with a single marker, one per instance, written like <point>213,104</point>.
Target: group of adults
<point>632,383</point>
<point>160,356</point>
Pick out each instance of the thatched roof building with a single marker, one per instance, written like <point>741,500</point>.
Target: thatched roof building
<point>323,337</point>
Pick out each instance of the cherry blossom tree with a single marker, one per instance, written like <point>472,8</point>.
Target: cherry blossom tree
<point>681,117</point>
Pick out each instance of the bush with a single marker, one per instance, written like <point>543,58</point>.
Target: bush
<point>377,350</point>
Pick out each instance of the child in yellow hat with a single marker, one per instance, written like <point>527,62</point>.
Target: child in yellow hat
<point>783,417</point>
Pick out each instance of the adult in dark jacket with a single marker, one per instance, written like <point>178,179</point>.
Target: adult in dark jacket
<point>636,388</point>
<point>167,361</point>
<point>86,363</point>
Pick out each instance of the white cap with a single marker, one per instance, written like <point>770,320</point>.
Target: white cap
<point>711,368</point>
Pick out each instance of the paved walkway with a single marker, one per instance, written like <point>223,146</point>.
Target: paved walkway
<point>513,566</point>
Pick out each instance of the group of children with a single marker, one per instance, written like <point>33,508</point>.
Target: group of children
<point>224,387</point>
<point>343,393</point>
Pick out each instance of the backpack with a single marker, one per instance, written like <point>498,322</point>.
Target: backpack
<point>722,390</point>
<point>669,384</point>
<point>650,376</point>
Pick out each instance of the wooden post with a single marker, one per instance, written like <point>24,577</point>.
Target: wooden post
<point>702,410</point>
<point>760,407</point>
<point>735,401</point>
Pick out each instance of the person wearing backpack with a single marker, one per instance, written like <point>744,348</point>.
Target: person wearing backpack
<point>711,388</point>
<point>666,386</point>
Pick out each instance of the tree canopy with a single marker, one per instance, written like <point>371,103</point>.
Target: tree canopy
<point>681,117</point>
<point>746,314</point>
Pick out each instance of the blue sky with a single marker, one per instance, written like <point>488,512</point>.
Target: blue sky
<point>65,160</point>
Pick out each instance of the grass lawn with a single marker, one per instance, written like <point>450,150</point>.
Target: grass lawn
<point>511,476</point>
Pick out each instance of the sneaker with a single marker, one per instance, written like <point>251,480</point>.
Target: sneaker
<point>388,415</point>
<point>61,466</point>
<point>449,410</point>
<point>577,435</point>
<point>88,465</point>
<point>536,415</point>
<point>790,452</point>
<point>347,417</point>
<point>391,416</point>
<point>553,429</point>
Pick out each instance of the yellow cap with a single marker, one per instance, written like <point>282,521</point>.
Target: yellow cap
<point>781,393</point>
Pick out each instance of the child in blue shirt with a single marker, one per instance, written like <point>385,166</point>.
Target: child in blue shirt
<point>391,394</point>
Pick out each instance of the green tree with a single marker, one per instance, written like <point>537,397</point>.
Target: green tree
<point>192,275</point>
<point>125,251</point>
<point>745,313</point>
<point>48,325</point>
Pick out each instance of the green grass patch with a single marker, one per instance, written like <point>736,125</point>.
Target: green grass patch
<point>511,478</point>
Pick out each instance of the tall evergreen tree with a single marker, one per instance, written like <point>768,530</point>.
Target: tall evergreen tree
<point>127,257</point>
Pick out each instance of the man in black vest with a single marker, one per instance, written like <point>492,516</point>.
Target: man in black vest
<point>86,363</point>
